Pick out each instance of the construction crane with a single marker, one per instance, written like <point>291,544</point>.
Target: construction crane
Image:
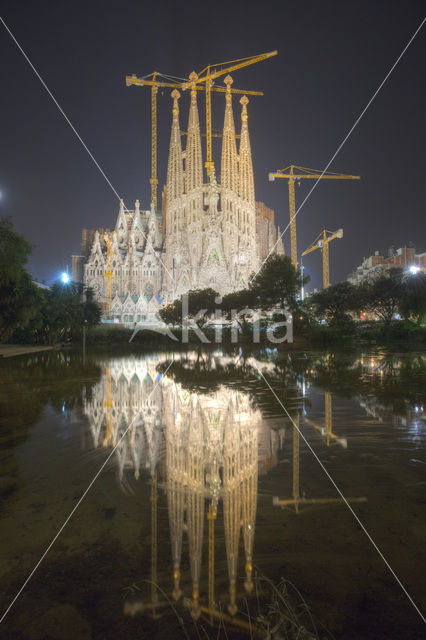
<point>327,430</point>
<point>206,77</point>
<point>211,517</point>
<point>154,526</point>
<point>321,242</point>
<point>155,81</point>
<point>109,276</point>
<point>293,173</point>
<point>296,499</point>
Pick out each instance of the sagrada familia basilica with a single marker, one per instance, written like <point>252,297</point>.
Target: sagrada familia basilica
<point>209,234</point>
<point>204,451</point>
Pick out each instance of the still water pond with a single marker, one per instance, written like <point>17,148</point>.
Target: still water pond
<point>211,516</point>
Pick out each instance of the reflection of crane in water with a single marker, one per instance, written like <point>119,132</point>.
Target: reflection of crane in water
<point>296,500</point>
<point>327,430</point>
<point>154,523</point>
<point>211,516</point>
<point>211,455</point>
<point>132,608</point>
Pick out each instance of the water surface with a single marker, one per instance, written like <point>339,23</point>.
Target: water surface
<point>209,490</point>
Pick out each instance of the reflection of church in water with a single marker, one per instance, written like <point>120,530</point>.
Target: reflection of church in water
<point>210,448</point>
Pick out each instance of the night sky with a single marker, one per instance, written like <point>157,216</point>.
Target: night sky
<point>332,57</point>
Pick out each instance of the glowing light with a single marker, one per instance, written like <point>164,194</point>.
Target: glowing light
<point>65,278</point>
<point>414,269</point>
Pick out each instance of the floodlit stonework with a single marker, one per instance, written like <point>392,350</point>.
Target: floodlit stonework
<point>207,449</point>
<point>209,234</point>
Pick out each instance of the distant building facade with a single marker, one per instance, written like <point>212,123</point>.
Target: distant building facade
<point>376,265</point>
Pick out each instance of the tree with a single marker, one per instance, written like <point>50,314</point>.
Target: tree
<point>277,284</point>
<point>239,301</point>
<point>19,297</point>
<point>14,254</point>
<point>383,296</point>
<point>172,313</point>
<point>64,313</point>
<point>196,305</point>
<point>20,305</point>
<point>413,298</point>
<point>201,304</point>
<point>334,303</point>
<point>92,311</point>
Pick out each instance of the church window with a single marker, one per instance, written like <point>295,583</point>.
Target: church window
<point>149,263</point>
<point>193,204</point>
<point>114,263</point>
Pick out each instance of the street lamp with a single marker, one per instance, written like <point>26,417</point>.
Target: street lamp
<point>414,269</point>
<point>65,279</point>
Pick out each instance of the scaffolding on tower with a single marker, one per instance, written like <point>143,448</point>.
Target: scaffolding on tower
<point>204,82</point>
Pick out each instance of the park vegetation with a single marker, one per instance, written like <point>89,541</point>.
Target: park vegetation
<point>30,314</point>
<point>391,306</point>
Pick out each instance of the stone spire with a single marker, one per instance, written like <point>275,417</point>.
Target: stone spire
<point>279,250</point>
<point>193,157</point>
<point>246,181</point>
<point>229,165</point>
<point>175,166</point>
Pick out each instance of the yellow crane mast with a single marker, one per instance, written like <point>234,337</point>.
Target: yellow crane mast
<point>211,517</point>
<point>109,276</point>
<point>327,430</point>
<point>154,526</point>
<point>293,174</point>
<point>297,500</point>
<point>207,76</point>
<point>155,81</point>
<point>321,242</point>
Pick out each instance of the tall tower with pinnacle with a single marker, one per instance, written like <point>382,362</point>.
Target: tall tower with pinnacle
<point>193,156</point>
<point>175,166</point>
<point>246,181</point>
<point>209,234</point>
<point>229,165</point>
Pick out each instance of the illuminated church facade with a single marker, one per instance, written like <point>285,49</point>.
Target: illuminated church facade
<point>207,450</point>
<point>210,234</point>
